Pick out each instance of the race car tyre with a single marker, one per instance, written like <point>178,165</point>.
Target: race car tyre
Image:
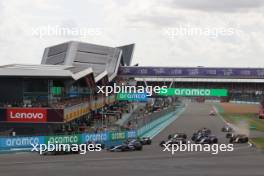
<point>231,140</point>
<point>193,138</point>
<point>215,141</point>
<point>228,135</point>
<point>162,143</point>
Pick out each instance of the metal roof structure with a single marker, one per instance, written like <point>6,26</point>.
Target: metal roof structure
<point>43,71</point>
<point>103,60</point>
<point>75,60</point>
<point>127,54</point>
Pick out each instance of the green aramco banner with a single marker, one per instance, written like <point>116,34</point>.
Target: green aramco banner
<point>195,92</point>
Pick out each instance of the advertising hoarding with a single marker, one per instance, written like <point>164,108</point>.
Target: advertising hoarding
<point>195,92</point>
<point>31,115</point>
<point>20,142</point>
<point>64,139</point>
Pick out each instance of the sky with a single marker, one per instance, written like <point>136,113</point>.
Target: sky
<point>226,33</point>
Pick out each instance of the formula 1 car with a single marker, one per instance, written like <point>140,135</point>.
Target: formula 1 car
<point>238,138</point>
<point>200,133</point>
<point>212,113</point>
<point>177,135</point>
<point>173,141</point>
<point>211,139</point>
<point>145,141</point>
<point>227,128</point>
<point>134,144</point>
<point>121,148</point>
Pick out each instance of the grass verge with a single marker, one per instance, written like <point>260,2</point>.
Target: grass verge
<point>258,142</point>
<point>250,119</point>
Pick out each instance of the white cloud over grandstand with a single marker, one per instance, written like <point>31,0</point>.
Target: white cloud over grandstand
<point>145,23</point>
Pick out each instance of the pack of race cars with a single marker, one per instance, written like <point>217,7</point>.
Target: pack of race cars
<point>205,136</point>
<point>201,136</point>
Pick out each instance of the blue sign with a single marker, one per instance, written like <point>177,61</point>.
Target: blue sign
<point>20,142</point>
<point>94,137</point>
<point>142,97</point>
<point>131,134</point>
<point>7,143</point>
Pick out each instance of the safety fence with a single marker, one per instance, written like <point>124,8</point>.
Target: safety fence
<point>167,115</point>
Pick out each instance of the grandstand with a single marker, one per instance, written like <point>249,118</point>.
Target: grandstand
<point>62,89</point>
<point>243,84</point>
<point>61,92</point>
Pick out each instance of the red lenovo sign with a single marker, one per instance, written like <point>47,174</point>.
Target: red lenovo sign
<point>26,115</point>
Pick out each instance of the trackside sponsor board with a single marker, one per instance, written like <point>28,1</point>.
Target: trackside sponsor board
<point>95,137</point>
<point>131,134</point>
<point>117,135</point>
<point>64,139</point>
<point>34,115</point>
<point>20,142</point>
<point>132,97</point>
<point>105,137</point>
<point>195,92</point>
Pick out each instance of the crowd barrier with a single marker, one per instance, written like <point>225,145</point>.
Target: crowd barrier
<point>163,117</point>
<point>146,128</point>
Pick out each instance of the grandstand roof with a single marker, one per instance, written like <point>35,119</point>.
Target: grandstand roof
<point>75,60</point>
<point>44,71</point>
<point>103,60</point>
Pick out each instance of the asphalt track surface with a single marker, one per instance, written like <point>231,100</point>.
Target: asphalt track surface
<point>152,161</point>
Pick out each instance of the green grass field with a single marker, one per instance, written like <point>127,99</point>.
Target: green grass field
<point>259,142</point>
<point>250,119</point>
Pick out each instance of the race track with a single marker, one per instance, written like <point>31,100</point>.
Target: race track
<point>243,161</point>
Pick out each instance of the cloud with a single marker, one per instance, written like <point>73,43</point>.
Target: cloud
<point>216,6</point>
<point>140,22</point>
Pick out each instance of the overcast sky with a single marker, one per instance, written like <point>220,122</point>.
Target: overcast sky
<point>226,32</point>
